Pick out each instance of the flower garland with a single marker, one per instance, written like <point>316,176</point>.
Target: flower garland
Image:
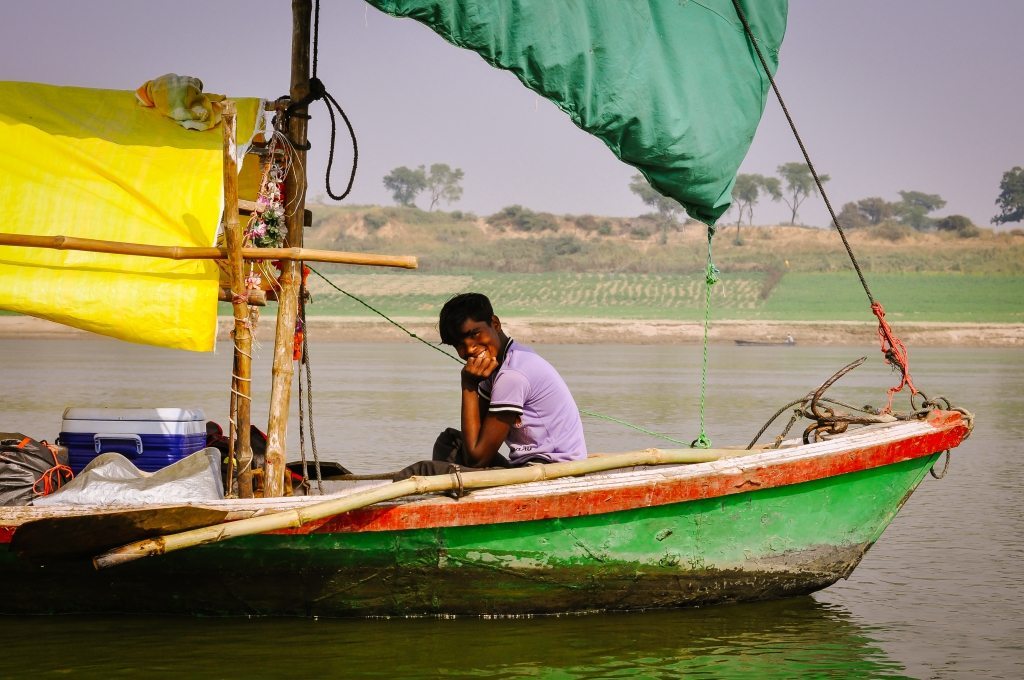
<point>267,227</point>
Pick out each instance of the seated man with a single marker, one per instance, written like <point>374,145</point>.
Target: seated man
<point>509,394</point>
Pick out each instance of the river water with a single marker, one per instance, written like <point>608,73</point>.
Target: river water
<point>939,596</point>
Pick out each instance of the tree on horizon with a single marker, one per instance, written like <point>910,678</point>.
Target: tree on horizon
<point>1011,197</point>
<point>746,192</point>
<point>799,185</point>
<point>405,183</point>
<point>914,207</point>
<point>667,207</point>
<point>444,184</point>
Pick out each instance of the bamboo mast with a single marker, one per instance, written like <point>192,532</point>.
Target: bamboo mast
<point>295,197</point>
<point>241,375</point>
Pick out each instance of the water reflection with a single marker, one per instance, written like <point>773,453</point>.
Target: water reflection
<point>792,638</point>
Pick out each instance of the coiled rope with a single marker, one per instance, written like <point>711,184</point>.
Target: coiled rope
<point>318,91</point>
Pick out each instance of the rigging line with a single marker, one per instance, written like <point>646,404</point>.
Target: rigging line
<point>711,277</point>
<point>893,349</point>
<point>302,437</point>
<point>302,410</point>
<point>384,316</point>
<point>304,362</point>
<point>601,416</point>
<point>803,149</point>
<point>316,34</point>
<point>452,356</point>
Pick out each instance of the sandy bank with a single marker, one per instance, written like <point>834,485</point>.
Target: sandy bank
<point>613,331</point>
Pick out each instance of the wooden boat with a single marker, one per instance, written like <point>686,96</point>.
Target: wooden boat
<point>631,531</point>
<point>780,522</point>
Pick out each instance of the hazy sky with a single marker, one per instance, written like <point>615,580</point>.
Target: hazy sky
<point>889,95</point>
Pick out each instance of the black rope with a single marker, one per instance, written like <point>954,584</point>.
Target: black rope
<point>316,34</point>
<point>803,401</point>
<point>317,91</point>
<point>385,317</point>
<point>304,365</point>
<point>452,356</point>
<point>309,401</point>
<point>945,468</point>
<point>332,104</point>
<point>803,149</point>
<point>302,437</point>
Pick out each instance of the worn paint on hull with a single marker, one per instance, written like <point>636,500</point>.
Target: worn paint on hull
<point>749,545</point>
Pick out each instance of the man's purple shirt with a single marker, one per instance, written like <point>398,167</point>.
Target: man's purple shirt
<point>548,427</point>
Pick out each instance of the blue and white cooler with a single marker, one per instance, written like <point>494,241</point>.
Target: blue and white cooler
<point>151,438</point>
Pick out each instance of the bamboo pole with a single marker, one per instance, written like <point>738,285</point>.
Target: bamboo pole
<point>479,479</point>
<point>241,375</point>
<point>198,253</point>
<point>291,276</point>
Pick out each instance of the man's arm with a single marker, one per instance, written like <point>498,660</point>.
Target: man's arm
<point>482,432</point>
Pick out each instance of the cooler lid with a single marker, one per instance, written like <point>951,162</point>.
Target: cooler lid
<point>164,415</point>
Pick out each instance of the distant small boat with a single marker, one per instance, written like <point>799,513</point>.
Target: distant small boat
<point>788,342</point>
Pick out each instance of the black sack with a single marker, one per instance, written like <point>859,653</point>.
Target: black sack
<point>29,468</point>
<point>216,438</point>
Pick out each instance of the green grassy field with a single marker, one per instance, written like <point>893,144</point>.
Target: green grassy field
<point>581,266</point>
<point>797,296</point>
<point>909,297</point>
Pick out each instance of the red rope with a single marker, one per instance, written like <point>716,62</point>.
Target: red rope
<point>895,353</point>
<point>53,478</point>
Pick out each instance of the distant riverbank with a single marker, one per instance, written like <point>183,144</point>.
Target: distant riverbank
<point>611,331</point>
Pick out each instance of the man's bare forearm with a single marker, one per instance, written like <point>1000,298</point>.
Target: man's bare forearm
<point>471,418</point>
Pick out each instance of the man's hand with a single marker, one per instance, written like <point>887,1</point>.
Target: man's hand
<point>478,368</point>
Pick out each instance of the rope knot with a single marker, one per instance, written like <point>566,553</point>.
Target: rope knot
<point>55,477</point>
<point>316,90</point>
<point>712,275</point>
<point>895,353</point>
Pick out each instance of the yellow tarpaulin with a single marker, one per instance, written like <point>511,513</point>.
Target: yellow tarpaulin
<point>94,164</point>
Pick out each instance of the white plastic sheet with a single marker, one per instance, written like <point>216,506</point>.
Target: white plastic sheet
<point>111,479</point>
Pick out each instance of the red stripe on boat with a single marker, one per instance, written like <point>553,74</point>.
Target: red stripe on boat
<point>468,511</point>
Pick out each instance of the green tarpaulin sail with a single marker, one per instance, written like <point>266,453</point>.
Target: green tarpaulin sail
<point>673,87</point>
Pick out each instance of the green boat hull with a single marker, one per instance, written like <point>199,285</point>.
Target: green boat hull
<point>781,541</point>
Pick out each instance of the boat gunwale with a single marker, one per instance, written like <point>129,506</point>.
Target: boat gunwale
<point>596,493</point>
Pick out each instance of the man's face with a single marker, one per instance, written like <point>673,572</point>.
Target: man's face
<point>479,337</point>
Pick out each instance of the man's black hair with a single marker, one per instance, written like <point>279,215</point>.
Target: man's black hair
<point>460,309</point>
